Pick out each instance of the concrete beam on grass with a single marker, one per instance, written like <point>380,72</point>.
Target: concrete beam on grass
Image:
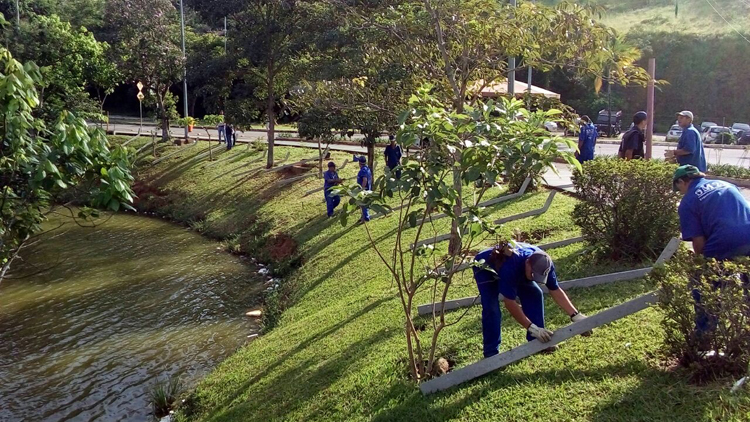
<point>542,210</point>
<point>158,160</point>
<point>490,202</point>
<point>260,169</point>
<point>487,365</point>
<point>596,280</point>
<point>137,135</point>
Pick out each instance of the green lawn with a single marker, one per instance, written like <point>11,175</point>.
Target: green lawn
<point>337,352</point>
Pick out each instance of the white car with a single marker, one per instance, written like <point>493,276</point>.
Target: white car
<point>740,127</point>
<point>714,132</point>
<point>674,133</point>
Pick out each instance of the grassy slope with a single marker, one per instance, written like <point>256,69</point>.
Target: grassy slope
<point>336,354</point>
<point>695,16</point>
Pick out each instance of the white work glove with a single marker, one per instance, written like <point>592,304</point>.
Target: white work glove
<point>542,334</point>
<point>580,317</point>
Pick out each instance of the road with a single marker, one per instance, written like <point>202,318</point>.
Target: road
<point>739,157</point>
<point>560,180</point>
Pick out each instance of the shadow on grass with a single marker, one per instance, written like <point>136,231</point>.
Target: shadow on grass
<point>231,412</point>
<point>652,399</point>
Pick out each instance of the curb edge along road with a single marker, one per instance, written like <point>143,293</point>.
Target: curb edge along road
<point>674,144</point>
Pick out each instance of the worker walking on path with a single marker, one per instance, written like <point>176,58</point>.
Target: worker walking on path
<point>393,155</point>
<point>364,179</point>
<point>716,219</point>
<point>690,147</point>
<point>631,146</point>
<point>586,140</point>
<point>514,272</point>
<point>331,178</point>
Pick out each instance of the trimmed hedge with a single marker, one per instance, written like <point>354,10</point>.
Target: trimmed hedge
<point>628,209</point>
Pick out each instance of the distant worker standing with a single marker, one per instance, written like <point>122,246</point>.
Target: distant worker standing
<point>516,274</point>
<point>220,128</point>
<point>586,140</point>
<point>393,155</point>
<point>229,135</point>
<point>690,147</point>
<point>331,178</point>
<point>364,179</point>
<point>631,146</point>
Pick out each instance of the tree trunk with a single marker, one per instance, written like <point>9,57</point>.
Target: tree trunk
<point>371,153</point>
<point>164,118</point>
<point>270,112</point>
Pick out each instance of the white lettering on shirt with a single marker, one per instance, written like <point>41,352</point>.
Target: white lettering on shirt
<point>703,191</point>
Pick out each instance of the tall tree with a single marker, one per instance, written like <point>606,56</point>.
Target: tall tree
<point>71,61</point>
<point>271,37</point>
<point>146,38</point>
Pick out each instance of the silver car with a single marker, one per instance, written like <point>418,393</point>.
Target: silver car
<point>674,133</point>
<point>714,132</point>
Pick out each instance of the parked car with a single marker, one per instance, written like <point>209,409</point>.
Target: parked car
<point>550,126</point>
<point>740,127</point>
<point>743,138</point>
<point>609,122</point>
<point>707,125</point>
<point>674,133</point>
<point>713,133</point>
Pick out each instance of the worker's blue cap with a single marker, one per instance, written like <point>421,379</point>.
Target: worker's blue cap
<point>360,159</point>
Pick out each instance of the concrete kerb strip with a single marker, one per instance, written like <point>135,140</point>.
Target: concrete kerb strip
<point>260,169</point>
<point>503,220</point>
<point>493,363</point>
<point>666,254</point>
<point>495,201</point>
<point>157,161</point>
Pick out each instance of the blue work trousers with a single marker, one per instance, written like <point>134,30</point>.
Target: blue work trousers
<point>397,173</point>
<point>705,322</point>
<point>532,303</point>
<point>222,134</point>
<point>365,214</point>
<point>332,201</point>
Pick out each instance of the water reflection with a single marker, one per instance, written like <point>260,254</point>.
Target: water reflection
<point>118,305</point>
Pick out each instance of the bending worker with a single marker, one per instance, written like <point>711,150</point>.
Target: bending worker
<point>517,272</point>
<point>331,178</point>
<point>716,218</point>
<point>713,215</point>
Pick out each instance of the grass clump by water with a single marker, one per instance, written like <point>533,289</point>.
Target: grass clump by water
<point>164,396</point>
<point>337,351</point>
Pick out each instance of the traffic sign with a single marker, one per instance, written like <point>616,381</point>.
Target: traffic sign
<point>139,85</point>
<point>140,96</point>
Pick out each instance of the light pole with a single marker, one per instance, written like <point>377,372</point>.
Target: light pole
<point>18,15</point>
<point>184,69</point>
<point>512,69</point>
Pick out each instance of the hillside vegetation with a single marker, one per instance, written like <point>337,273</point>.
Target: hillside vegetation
<point>693,16</point>
<point>337,353</point>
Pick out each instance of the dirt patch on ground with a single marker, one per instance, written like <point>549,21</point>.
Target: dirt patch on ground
<point>282,247</point>
<point>297,170</point>
<point>149,197</point>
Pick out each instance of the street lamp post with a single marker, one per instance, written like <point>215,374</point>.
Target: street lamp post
<point>184,69</point>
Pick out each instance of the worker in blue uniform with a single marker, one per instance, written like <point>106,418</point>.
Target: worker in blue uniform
<point>331,178</point>
<point>586,140</point>
<point>364,179</point>
<point>513,272</point>
<point>715,217</point>
<point>393,155</point>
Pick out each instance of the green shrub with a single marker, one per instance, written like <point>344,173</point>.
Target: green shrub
<point>628,209</point>
<point>164,396</point>
<point>723,350</point>
<point>729,170</point>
